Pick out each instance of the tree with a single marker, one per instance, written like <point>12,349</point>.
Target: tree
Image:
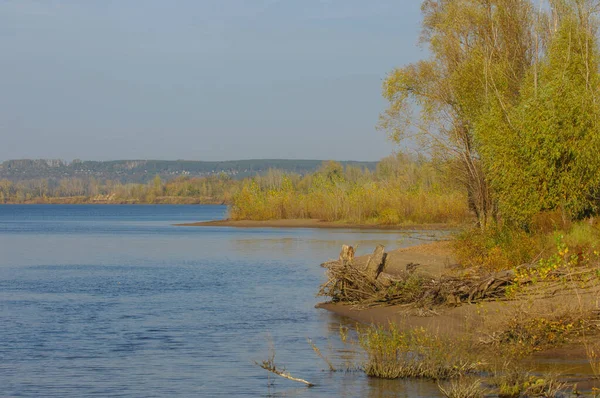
<point>544,155</point>
<point>480,50</point>
<point>510,95</point>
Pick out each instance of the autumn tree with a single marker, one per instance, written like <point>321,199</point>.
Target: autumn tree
<point>510,96</point>
<point>479,49</point>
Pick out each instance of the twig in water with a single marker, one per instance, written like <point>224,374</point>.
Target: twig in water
<point>269,365</point>
<point>318,352</point>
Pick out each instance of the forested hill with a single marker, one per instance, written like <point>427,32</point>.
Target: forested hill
<point>142,171</point>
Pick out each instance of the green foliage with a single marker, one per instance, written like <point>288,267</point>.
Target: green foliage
<point>479,49</point>
<point>541,154</point>
<point>582,236</point>
<point>576,247</point>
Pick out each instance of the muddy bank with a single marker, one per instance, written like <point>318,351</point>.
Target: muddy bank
<point>313,223</point>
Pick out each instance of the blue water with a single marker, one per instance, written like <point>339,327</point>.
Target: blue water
<point>101,300</point>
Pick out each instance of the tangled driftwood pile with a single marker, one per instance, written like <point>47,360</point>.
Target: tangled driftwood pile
<point>371,285</point>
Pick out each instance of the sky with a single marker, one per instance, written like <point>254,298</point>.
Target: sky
<point>199,79</point>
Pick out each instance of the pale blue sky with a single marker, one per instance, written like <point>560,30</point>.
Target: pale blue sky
<point>199,79</point>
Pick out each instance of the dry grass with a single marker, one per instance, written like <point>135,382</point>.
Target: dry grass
<point>393,354</point>
<point>497,248</point>
<point>463,388</point>
<point>525,334</point>
<point>373,204</point>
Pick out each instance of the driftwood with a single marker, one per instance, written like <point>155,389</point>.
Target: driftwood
<point>387,279</point>
<point>373,286</point>
<point>329,263</point>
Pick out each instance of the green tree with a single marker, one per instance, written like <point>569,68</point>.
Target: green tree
<point>544,155</point>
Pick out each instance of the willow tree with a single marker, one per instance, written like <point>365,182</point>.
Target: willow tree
<point>480,51</point>
<point>544,154</point>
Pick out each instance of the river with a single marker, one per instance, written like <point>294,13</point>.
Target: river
<point>103,300</point>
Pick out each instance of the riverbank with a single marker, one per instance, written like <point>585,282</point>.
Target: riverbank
<point>537,325</point>
<point>314,223</point>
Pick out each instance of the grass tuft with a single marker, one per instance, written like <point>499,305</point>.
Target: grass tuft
<point>463,388</point>
<point>393,354</point>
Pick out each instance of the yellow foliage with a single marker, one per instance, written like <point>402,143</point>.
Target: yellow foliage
<point>356,197</point>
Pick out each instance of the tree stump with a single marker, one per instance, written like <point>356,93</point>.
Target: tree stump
<point>374,265</point>
<point>347,255</point>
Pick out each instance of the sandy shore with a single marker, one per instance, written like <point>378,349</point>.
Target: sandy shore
<point>312,223</point>
<point>479,321</point>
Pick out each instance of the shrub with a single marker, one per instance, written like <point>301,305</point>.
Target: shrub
<point>496,248</point>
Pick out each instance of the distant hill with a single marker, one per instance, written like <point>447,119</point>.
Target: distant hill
<point>142,171</point>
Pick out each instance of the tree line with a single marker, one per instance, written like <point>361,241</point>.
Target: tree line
<point>213,189</point>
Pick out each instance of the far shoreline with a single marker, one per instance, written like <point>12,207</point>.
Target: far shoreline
<point>316,224</point>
